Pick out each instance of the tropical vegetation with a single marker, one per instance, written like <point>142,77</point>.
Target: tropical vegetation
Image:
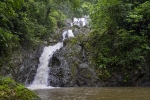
<point>120,38</point>
<point>119,41</point>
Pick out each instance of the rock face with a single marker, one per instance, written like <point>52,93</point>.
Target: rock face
<point>25,64</point>
<point>68,68</point>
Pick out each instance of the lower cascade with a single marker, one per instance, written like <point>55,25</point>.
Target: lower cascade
<point>41,77</point>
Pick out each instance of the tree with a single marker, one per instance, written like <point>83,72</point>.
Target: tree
<point>26,22</point>
<point>119,41</point>
<point>8,13</point>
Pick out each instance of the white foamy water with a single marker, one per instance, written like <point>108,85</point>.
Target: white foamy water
<point>42,74</point>
<point>67,34</point>
<point>64,35</point>
<point>81,21</point>
<point>75,21</point>
<point>41,78</point>
<point>70,34</point>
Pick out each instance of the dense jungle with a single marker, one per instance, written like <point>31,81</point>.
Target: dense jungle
<point>115,45</point>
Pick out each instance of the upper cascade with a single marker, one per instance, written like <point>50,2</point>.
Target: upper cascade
<point>67,34</point>
<point>81,22</point>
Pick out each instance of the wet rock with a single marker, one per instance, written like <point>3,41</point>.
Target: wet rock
<point>27,64</point>
<point>67,68</point>
<point>69,23</point>
<point>85,75</point>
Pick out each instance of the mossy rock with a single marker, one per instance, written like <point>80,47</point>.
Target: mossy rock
<point>10,90</point>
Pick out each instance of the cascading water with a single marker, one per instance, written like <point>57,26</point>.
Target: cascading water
<point>81,22</point>
<point>70,34</point>
<point>64,35</point>
<point>41,77</point>
<point>67,34</point>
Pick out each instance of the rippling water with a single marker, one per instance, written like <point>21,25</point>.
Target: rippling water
<point>90,93</point>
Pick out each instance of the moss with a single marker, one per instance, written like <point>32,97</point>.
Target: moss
<point>10,90</point>
<point>89,76</point>
<point>74,69</point>
<point>103,74</point>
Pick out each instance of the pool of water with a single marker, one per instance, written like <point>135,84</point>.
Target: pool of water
<point>95,93</point>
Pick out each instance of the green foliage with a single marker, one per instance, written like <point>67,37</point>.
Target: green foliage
<point>78,8</point>
<point>109,15</point>
<point>8,42</point>
<point>74,3</point>
<point>8,8</point>
<point>86,7</point>
<point>120,42</point>
<point>57,18</point>
<point>27,23</point>
<point>139,19</point>
<point>10,90</point>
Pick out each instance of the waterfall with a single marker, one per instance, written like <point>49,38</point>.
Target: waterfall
<point>42,74</point>
<point>67,34</point>
<point>81,22</point>
<point>70,34</point>
<point>41,77</point>
<point>64,35</point>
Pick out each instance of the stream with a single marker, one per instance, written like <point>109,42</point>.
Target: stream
<point>95,93</point>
